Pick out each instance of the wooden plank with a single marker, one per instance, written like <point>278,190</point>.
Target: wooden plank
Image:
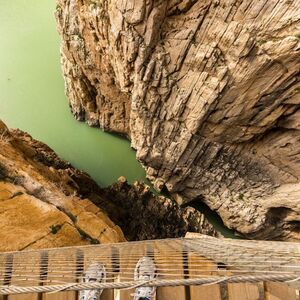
<point>60,296</point>
<point>279,291</point>
<point>25,267</point>
<point>62,268</point>
<point>107,294</point>
<point>244,291</point>
<point>201,266</point>
<point>8,269</point>
<point>2,268</point>
<point>2,273</point>
<point>103,257</point>
<point>109,263</point>
<point>170,254</point>
<point>129,256</point>
<point>23,297</point>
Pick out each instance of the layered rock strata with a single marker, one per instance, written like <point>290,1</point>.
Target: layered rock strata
<point>207,90</point>
<point>45,202</point>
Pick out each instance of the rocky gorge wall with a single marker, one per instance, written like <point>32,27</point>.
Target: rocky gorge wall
<point>208,92</point>
<point>45,202</point>
<point>39,205</point>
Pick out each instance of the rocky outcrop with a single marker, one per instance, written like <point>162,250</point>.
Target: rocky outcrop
<point>45,202</point>
<point>144,216</point>
<point>208,92</point>
<point>38,206</point>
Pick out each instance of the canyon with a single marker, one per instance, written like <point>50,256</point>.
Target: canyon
<point>45,202</point>
<point>207,91</point>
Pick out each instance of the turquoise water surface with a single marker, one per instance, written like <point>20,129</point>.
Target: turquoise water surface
<point>32,95</point>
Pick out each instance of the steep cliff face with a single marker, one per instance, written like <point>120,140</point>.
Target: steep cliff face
<point>144,216</point>
<point>207,90</point>
<point>45,202</point>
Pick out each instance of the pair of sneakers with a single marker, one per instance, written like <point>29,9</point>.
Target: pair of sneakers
<point>145,270</point>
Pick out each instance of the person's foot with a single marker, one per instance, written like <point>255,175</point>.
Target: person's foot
<point>95,273</point>
<point>145,270</point>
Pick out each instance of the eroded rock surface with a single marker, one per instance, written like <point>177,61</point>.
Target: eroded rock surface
<point>45,202</point>
<point>38,206</point>
<point>144,216</point>
<point>207,90</point>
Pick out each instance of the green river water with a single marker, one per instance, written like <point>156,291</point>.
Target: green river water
<point>32,95</point>
<point>32,98</point>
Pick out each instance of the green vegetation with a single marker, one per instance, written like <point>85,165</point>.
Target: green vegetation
<point>261,42</point>
<point>85,236</point>
<point>193,40</point>
<point>55,228</point>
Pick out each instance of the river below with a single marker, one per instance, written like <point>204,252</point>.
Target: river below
<point>32,95</point>
<point>32,98</point>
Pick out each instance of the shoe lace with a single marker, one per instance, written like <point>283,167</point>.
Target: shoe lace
<point>90,295</point>
<point>144,292</point>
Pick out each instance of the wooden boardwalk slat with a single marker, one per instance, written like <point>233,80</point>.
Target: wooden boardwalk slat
<point>17,271</point>
<point>53,272</point>
<point>2,268</point>
<point>61,296</point>
<point>163,251</point>
<point>92,255</point>
<point>279,291</point>
<point>244,291</point>
<point>128,259</point>
<point>23,297</point>
<point>210,292</point>
<point>108,294</point>
<point>174,259</point>
<point>2,272</point>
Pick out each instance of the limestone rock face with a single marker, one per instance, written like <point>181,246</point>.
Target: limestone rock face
<point>144,216</point>
<point>207,90</point>
<point>46,202</point>
<point>37,206</point>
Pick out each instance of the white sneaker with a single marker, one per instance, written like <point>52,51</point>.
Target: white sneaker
<point>95,273</point>
<point>145,270</point>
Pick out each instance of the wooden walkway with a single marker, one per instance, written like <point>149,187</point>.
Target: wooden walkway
<point>241,291</point>
<point>54,267</point>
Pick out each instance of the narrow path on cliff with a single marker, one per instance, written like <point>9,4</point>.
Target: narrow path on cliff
<point>32,97</point>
